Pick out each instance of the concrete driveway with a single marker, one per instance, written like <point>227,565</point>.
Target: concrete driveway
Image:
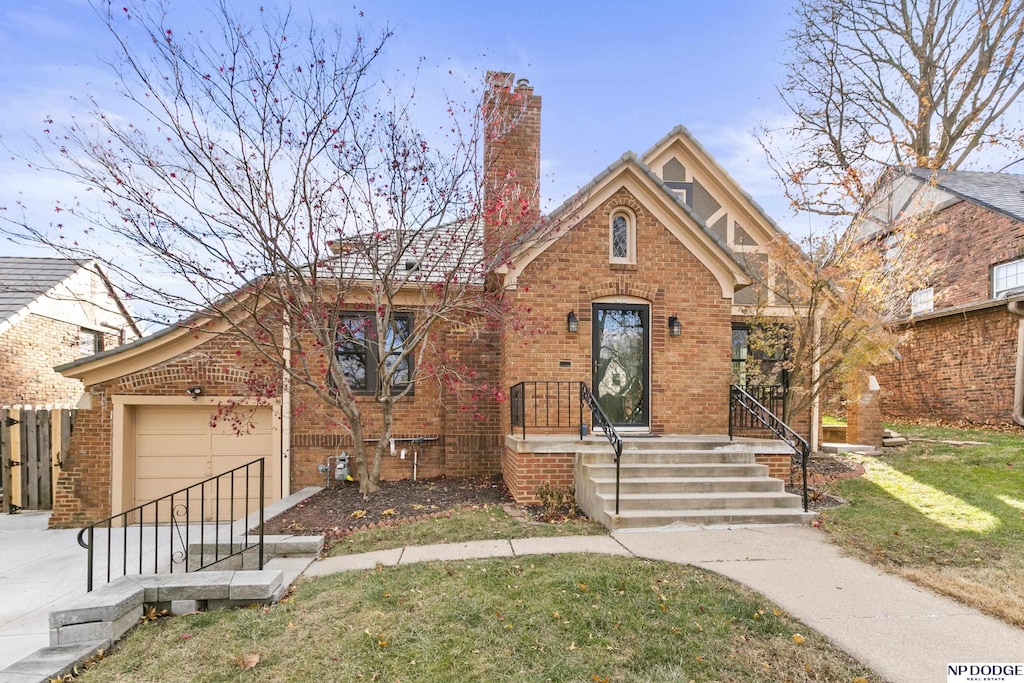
<point>38,568</point>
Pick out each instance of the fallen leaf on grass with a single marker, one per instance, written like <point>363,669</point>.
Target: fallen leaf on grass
<point>186,636</point>
<point>798,639</point>
<point>860,679</point>
<point>249,661</point>
<point>598,679</point>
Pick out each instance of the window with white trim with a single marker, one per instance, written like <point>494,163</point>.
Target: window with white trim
<point>922,301</point>
<point>1008,279</point>
<point>622,237</point>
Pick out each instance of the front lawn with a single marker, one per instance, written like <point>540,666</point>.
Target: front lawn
<point>556,618</point>
<point>948,517</point>
<point>458,526</point>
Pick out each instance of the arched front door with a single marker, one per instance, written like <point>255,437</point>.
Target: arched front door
<point>621,372</point>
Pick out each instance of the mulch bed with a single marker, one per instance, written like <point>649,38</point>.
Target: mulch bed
<point>341,509</point>
<point>823,469</point>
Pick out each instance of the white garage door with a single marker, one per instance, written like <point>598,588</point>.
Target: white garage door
<point>176,446</point>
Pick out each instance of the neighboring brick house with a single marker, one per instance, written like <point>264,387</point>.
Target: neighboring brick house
<point>960,350</point>
<point>53,311</point>
<point>638,294</point>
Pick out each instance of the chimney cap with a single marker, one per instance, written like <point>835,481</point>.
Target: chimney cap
<point>523,83</point>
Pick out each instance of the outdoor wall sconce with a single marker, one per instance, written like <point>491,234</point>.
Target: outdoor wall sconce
<point>571,323</point>
<point>675,328</point>
<point>194,392</point>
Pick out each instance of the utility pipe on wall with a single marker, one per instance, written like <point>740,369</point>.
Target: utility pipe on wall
<point>1015,307</point>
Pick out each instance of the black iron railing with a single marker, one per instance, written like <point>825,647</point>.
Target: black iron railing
<point>600,419</point>
<point>771,396</point>
<point>545,405</point>
<point>197,516</point>
<point>742,404</point>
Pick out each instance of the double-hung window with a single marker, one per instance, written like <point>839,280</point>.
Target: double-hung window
<point>358,352</point>
<point>1008,279</point>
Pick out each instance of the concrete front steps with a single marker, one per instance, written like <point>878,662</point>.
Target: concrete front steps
<point>669,481</point>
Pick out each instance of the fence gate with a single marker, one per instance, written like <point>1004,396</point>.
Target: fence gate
<point>33,442</point>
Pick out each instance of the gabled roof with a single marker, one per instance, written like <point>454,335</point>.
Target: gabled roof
<point>682,131</point>
<point>25,279</point>
<point>31,284</point>
<point>1000,192</point>
<point>630,162</point>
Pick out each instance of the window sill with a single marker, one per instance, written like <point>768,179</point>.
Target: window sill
<point>625,267</point>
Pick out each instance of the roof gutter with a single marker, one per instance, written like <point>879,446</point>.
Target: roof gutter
<point>1017,308</point>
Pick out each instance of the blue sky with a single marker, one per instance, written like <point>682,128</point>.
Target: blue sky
<point>613,77</point>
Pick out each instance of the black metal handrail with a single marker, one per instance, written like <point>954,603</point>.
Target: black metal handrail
<point>545,405</point>
<point>600,419</point>
<point>178,506</point>
<point>738,398</point>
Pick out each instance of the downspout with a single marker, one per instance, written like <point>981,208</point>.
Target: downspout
<point>286,408</point>
<point>1018,381</point>
<point>815,388</point>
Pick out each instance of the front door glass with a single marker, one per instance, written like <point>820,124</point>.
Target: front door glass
<point>620,367</point>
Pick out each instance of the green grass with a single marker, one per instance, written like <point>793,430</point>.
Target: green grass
<point>829,421</point>
<point>468,524</point>
<point>948,517</point>
<point>562,618</point>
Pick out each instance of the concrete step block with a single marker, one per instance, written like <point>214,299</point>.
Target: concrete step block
<point>50,662</point>
<point>701,501</point>
<point>212,585</point>
<point>95,631</point>
<point>255,585</point>
<point>648,518</point>
<point>107,603</point>
<point>677,470</point>
<point>688,484</point>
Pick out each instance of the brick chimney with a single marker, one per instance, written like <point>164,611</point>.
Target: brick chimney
<point>511,160</point>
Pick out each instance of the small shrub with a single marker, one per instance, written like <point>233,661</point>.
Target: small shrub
<point>559,503</point>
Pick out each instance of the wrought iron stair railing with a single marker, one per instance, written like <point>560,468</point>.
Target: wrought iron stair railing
<point>739,399</point>
<point>184,527</point>
<point>560,405</point>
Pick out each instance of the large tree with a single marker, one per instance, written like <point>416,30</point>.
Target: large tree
<point>873,87</point>
<point>876,83</point>
<point>258,178</point>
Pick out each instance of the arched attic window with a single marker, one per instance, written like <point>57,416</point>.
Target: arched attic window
<point>622,236</point>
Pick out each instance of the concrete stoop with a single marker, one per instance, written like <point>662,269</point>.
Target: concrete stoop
<point>664,483</point>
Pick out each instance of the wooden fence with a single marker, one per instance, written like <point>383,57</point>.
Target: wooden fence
<point>33,442</point>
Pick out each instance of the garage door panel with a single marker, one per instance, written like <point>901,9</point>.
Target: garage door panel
<point>176,419</point>
<point>172,445</point>
<point>251,445</point>
<point>177,446</point>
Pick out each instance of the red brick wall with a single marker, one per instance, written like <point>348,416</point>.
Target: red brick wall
<point>962,243</point>
<point>959,367</point>
<point>690,374</point>
<point>462,420</point>
<point>524,473</point>
<point>28,352</point>
<point>512,160</point>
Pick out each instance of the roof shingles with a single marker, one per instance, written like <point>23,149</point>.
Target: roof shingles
<point>25,279</point>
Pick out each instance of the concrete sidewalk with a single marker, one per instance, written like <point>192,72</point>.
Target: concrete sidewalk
<point>905,633</point>
<point>40,568</point>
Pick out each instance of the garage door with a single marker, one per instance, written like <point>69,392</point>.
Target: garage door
<point>176,446</point>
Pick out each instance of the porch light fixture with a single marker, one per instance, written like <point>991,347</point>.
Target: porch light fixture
<point>572,324</point>
<point>194,392</point>
<point>675,328</point>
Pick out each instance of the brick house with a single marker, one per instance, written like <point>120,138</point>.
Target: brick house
<point>54,311</point>
<point>638,293</point>
<point>961,353</point>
